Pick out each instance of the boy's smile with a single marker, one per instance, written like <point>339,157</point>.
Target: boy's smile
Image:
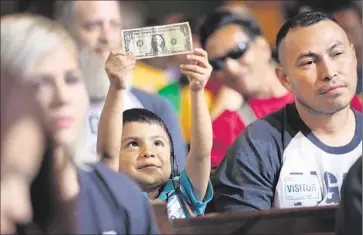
<point>145,154</point>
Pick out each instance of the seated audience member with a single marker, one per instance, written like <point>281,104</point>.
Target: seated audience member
<point>244,59</point>
<point>139,143</point>
<point>20,126</point>
<point>298,156</point>
<point>96,25</point>
<point>39,53</point>
<point>349,216</point>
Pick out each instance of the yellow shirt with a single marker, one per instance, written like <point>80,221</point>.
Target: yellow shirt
<point>185,111</point>
<point>148,78</point>
<point>181,101</point>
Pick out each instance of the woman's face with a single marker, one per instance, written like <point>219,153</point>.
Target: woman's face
<point>22,147</point>
<point>61,93</point>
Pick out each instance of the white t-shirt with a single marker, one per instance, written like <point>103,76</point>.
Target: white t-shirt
<point>278,162</point>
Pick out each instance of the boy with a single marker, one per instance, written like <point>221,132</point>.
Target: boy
<point>142,146</point>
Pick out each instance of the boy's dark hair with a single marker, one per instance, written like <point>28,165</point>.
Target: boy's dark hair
<point>220,18</point>
<point>304,19</point>
<point>146,116</point>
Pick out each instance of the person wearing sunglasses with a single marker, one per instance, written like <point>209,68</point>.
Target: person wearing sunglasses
<point>240,54</point>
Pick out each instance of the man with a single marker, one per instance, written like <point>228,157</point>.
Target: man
<point>244,61</point>
<point>298,156</point>
<point>96,26</point>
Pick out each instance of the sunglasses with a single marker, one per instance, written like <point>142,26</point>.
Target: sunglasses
<point>235,53</point>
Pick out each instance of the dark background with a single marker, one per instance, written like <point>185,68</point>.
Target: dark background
<point>156,9</point>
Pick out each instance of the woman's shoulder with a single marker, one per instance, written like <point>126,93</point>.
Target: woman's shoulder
<point>116,183</point>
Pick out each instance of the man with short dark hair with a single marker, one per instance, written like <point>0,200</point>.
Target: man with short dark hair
<point>298,156</point>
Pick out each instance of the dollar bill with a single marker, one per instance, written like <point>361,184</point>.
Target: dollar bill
<point>157,41</point>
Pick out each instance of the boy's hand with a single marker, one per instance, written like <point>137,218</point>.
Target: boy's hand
<point>198,70</point>
<point>118,67</point>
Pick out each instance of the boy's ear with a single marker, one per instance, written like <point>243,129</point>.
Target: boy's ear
<point>282,76</point>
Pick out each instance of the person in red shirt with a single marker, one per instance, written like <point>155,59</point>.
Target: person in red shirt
<point>356,103</point>
<point>240,54</point>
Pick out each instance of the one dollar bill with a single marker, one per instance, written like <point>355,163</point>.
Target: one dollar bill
<point>157,41</point>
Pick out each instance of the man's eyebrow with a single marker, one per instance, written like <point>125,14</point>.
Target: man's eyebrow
<point>307,54</point>
<point>334,45</point>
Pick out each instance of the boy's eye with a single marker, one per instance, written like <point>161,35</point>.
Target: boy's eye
<point>132,144</point>
<point>159,143</point>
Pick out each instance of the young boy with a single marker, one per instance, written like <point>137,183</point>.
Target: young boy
<point>142,146</point>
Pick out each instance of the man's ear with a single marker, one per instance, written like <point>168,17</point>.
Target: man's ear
<point>282,76</point>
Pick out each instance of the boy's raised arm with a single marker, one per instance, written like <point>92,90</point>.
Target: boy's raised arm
<point>118,68</point>
<point>198,163</point>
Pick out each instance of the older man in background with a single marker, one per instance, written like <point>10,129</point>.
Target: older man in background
<point>96,26</point>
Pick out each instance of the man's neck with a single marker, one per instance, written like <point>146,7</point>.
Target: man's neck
<point>335,129</point>
<point>66,174</point>
<point>272,87</point>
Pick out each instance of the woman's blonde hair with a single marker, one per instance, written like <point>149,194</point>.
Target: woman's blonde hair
<point>25,38</point>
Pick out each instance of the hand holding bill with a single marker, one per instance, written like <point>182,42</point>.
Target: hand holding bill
<point>198,70</point>
<point>118,68</point>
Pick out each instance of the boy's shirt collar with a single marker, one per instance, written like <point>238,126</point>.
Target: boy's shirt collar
<point>168,187</point>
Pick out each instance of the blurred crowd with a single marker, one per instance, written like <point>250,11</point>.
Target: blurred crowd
<point>264,113</point>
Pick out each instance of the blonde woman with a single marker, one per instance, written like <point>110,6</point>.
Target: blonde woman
<point>21,135</point>
<point>38,52</point>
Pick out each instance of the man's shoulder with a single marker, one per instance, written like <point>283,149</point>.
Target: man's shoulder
<point>272,122</point>
<point>358,114</point>
<point>278,127</point>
